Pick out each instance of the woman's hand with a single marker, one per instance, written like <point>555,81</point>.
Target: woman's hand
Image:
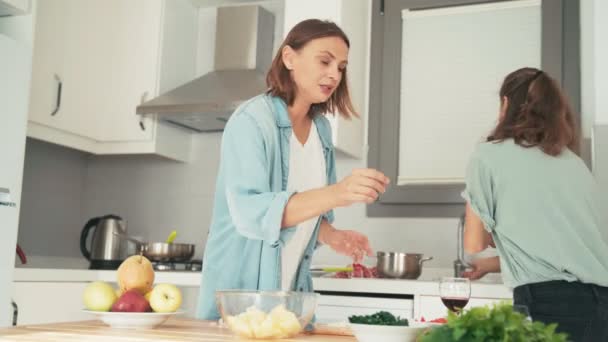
<point>348,242</point>
<point>482,266</point>
<point>363,185</point>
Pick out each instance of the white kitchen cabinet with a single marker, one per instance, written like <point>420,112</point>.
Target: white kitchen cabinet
<point>94,62</point>
<point>337,308</point>
<point>49,302</point>
<point>431,307</point>
<point>14,7</point>
<point>41,302</point>
<point>353,16</point>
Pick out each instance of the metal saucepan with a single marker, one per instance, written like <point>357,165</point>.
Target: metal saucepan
<point>400,265</point>
<point>162,251</point>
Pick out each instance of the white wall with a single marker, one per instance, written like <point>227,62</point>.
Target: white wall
<point>594,69</point>
<point>600,38</point>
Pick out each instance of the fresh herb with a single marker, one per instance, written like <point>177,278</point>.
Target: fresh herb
<point>379,318</point>
<point>498,323</point>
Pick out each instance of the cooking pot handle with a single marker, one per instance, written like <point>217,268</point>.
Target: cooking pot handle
<point>423,260</point>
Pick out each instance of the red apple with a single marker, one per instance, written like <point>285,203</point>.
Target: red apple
<point>131,301</point>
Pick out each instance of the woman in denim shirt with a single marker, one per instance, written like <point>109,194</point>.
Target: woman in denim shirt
<point>276,186</point>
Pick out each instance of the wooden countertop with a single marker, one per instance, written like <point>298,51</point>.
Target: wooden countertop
<point>175,330</point>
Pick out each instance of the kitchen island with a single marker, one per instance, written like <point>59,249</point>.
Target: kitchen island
<point>175,330</point>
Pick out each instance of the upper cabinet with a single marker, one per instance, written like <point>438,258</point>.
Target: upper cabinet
<point>14,7</point>
<point>353,16</point>
<point>94,62</point>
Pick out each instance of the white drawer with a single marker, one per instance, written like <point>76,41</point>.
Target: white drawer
<point>332,308</point>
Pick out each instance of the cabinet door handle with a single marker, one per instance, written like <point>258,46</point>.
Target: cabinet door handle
<point>142,124</point>
<point>58,101</point>
<point>15,312</point>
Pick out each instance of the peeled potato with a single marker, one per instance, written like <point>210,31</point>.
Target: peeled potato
<point>253,323</point>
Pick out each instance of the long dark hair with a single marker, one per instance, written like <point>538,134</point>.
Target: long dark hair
<point>538,113</point>
<point>279,79</point>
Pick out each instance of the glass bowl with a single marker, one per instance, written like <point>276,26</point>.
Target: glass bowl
<point>266,314</point>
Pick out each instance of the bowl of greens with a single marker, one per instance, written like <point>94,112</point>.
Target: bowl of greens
<point>384,326</point>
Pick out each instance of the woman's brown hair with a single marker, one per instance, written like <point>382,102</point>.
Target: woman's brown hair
<point>280,82</point>
<point>538,113</point>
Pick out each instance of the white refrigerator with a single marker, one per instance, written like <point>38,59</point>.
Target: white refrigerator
<point>15,70</point>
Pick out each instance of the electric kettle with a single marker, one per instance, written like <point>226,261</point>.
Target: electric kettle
<point>108,249</point>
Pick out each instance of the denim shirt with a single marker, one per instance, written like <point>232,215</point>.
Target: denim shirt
<point>243,249</point>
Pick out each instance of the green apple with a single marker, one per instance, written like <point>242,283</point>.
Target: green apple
<point>165,298</point>
<point>99,296</point>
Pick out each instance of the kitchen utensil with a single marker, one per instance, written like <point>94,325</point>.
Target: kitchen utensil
<point>21,255</point>
<point>400,265</point>
<point>162,251</point>
<point>171,237</point>
<point>331,269</point>
<point>133,320</point>
<point>107,250</point>
<point>293,309</point>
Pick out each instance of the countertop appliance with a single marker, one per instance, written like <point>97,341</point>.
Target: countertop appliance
<point>108,249</point>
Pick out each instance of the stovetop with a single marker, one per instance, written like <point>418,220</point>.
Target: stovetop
<point>195,265</point>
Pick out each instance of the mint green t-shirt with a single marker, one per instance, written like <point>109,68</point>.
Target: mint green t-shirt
<point>542,212</point>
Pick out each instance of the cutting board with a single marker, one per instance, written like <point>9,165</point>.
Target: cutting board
<point>338,329</point>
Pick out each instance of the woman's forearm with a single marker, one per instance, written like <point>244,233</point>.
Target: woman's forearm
<point>308,204</point>
<point>493,265</point>
<point>325,231</point>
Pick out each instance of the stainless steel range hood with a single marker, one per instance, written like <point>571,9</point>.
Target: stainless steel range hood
<point>243,53</point>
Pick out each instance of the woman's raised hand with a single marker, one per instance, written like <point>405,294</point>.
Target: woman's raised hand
<point>361,186</point>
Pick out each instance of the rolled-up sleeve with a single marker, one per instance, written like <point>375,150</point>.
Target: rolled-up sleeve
<point>256,211</point>
<point>479,191</point>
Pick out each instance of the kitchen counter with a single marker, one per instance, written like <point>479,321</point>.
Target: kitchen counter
<point>427,284</point>
<point>86,275</point>
<point>174,330</point>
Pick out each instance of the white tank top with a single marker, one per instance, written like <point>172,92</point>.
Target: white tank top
<point>306,172</point>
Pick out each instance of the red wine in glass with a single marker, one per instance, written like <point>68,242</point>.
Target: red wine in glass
<point>455,293</point>
<point>455,304</point>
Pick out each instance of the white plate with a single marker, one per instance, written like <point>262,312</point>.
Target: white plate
<point>132,320</point>
<point>388,333</point>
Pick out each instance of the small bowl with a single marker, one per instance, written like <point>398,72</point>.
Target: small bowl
<point>388,333</point>
<point>132,320</point>
<point>266,314</point>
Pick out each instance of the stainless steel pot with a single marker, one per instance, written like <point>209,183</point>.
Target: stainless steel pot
<point>400,265</point>
<point>162,251</point>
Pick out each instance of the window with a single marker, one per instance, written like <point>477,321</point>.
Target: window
<point>436,66</point>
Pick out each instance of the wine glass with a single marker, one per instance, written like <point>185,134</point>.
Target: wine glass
<point>455,293</point>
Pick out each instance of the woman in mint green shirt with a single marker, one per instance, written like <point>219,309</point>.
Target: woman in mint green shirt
<point>255,215</point>
<point>529,195</point>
